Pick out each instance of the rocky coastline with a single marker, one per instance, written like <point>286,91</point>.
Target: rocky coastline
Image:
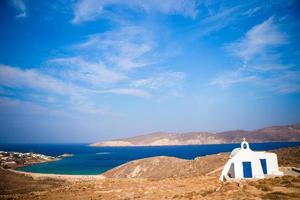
<point>13,160</point>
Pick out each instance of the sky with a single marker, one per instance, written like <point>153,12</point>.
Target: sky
<point>77,71</point>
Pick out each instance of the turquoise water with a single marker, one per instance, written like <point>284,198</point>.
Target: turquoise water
<point>95,160</point>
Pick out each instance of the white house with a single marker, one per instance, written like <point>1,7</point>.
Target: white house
<point>246,164</point>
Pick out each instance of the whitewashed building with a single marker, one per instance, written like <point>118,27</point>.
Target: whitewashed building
<point>246,164</point>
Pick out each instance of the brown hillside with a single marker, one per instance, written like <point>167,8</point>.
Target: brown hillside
<point>165,167</point>
<point>269,134</point>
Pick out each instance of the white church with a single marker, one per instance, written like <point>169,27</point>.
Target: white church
<point>247,164</point>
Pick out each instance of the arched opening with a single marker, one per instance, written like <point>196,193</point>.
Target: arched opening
<point>244,145</point>
<point>231,172</point>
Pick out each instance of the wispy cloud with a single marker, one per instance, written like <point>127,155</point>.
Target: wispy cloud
<point>261,61</point>
<point>252,11</point>
<point>160,81</point>
<point>40,86</point>
<point>77,69</point>
<point>75,84</point>
<point>15,77</point>
<point>127,91</point>
<point>257,41</point>
<point>89,10</point>
<point>233,77</point>
<point>127,47</point>
<point>164,84</point>
<point>21,7</point>
<point>110,63</point>
<point>45,89</point>
<point>219,16</point>
<point>102,64</point>
<point>284,82</point>
<point>217,20</point>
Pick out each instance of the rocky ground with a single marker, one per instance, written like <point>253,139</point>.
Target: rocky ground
<point>175,179</point>
<point>288,157</point>
<point>14,183</point>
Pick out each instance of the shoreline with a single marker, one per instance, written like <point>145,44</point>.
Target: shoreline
<point>176,145</point>
<point>38,162</point>
<point>91,176</point>
<point>55,159</point>
<point>66,177</point>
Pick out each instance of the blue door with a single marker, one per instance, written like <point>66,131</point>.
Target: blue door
<point>263,164</point>
<point>247,169</point>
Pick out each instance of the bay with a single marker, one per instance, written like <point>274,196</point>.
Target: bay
<point>95,160</point>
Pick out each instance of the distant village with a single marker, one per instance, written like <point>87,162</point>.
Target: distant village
<point>16,159</point>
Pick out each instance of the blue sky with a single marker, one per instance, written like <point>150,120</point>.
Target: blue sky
<point>87,70</point>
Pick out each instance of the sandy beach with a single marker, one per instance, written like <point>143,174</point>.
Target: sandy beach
<point>58,176</point>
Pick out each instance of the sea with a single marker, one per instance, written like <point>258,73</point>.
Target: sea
<point>96,160</point>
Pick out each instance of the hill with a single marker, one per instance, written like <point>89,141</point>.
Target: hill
<point>161,167</point>
<point>269,134</point>
<point>168,167</point>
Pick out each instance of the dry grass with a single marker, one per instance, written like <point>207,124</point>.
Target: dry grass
<point>12,183</point>
<point>288,157</point>
<point>281,195</point>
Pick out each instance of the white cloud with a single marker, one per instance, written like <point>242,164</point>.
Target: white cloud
<point>41,88</point>
<point>126,48</point>
<point>279,81</point>
<point>127,91</point>
<point>257,41</point>
<point>29,78</point>
<point>163,84</point>
<point>284,82</point>
<point>221,15</point>
<point>160,81</point>
<point>78,69</point>
<point>262,64</point>
<point>21,7</point>
<point>105,63</point>
<point>216,21</point>
<point>233,77</point>
<point>187,8</point>
<point>89,10</point>
<point>252,11</point>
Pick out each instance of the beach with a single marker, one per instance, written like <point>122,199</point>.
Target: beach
<point>64,177</point>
